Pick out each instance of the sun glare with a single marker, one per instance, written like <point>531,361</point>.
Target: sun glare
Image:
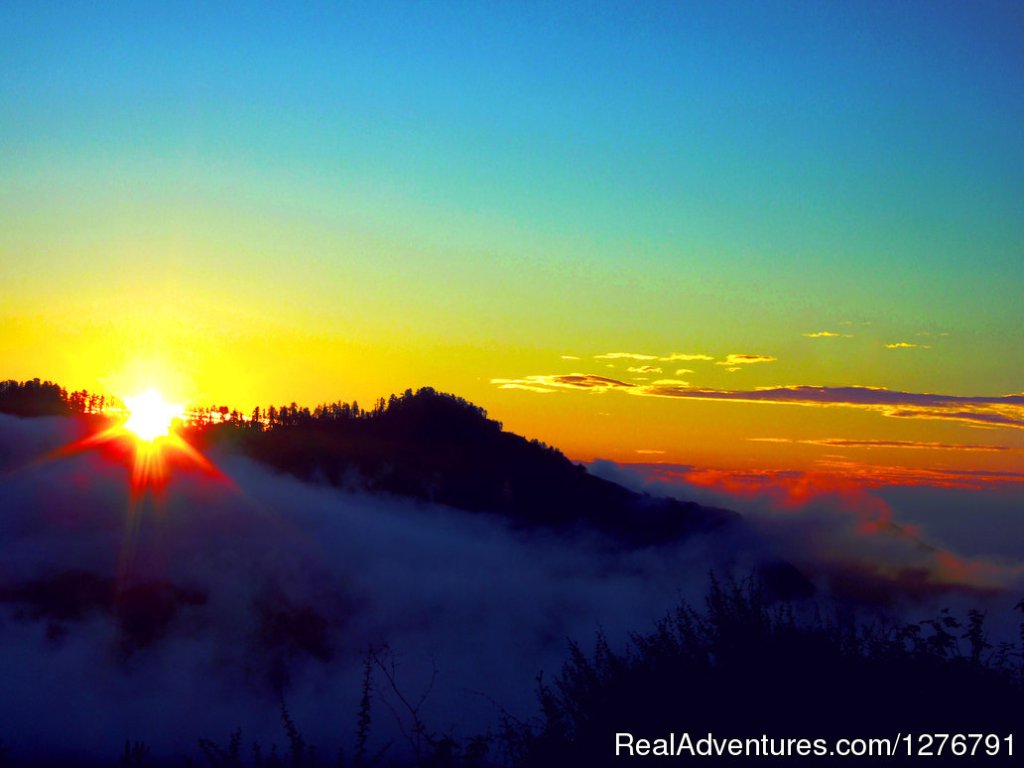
<point>150,416</point>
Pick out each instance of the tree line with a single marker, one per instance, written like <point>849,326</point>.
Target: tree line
<point>45,398</point>
<point>336,412</point>
<point>36,397</point>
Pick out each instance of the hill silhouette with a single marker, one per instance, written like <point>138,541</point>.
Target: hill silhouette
<point>440,448</point>
<point>436,448</point>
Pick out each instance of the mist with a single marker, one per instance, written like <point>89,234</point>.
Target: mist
<point>907,551</point>
<point>192,609</point>
<point>190,612</point>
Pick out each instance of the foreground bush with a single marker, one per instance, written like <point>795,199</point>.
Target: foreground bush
<point>742,668</point>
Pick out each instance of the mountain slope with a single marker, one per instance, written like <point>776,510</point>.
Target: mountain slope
<point>440,448</point>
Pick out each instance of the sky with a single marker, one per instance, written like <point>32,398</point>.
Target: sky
<point>784,235</point>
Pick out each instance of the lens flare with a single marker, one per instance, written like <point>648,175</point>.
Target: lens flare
<point>150,416</point>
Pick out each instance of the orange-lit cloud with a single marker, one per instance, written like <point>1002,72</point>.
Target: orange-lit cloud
<point>875,475</point>
<point>827,335</point>
<point>834,524</point>
<point>906,345</point>
<point>734,360</point>
<point>840,442</point>
<point>795,486</point>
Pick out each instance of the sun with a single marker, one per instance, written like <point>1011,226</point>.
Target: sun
<point>150,416</point>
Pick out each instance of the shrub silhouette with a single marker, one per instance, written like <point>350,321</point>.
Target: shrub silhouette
<point>136,755</point>
<point>743,668</point>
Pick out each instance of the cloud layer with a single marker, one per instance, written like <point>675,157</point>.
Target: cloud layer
<point>862,544</point>
<point>228,588</point>
<point>1006,411</point>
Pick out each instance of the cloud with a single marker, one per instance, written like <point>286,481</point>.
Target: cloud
<point>734,360</point>
<point>674,357</point>
<point>881,476</point>
<point>839,442</point>
<point>974,417</point>
<point>1001,411</point>
<point>644,369</point>
<point>649,452</point>
<point>229,590</point>
<point>521,384</point>
<point>625,356</point>
<point>846,534</point>
<point>910,444</point>
<point>682,371</point>
<point>906,345</point>
<point>828,335</point>
<point>683,357</point>
<point>584,381</point>
<point>569,357</point>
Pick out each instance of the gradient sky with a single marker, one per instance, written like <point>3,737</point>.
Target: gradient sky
<point>265,204</point>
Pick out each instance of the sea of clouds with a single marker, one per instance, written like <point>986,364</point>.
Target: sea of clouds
<point>189,612</point>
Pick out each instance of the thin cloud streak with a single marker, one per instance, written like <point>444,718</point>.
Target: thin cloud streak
<point>670,358</point>
<point>736,359</point>
<point>840,442</point>
<point>625,356</point>
<point>678,356</point>
<point>1005,411</point>
<point>582,381</point>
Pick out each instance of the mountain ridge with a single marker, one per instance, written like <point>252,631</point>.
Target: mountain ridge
<point>439,448</point>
